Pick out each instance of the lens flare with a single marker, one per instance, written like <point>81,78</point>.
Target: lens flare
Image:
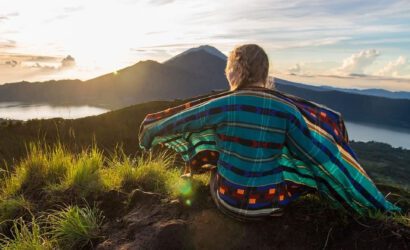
<point>186,188</point>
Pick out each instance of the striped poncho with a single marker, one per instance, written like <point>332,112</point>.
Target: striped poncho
<point>269,148</point>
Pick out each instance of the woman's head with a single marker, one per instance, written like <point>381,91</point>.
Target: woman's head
<point>247,64</point>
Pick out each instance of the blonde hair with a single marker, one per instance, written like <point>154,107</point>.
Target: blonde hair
<point>250,63</point>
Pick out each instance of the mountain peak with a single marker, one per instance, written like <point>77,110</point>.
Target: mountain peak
<point>206,48</point>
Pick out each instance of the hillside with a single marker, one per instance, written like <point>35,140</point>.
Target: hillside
<point>128,200</point>
<point>358,107</point>
<point>55,199</point>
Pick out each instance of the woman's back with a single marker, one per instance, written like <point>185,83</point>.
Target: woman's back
<point>252,135</point>
<point>251,165</point>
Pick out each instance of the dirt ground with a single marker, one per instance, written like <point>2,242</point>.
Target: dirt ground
<point>143,220</point>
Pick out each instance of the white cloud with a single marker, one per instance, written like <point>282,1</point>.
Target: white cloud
<point>357,63</point>
<point>7,44</point>
<point>397,68</point>
<point>161,2</point>
<point>290,31</point>
<point>295,69</point>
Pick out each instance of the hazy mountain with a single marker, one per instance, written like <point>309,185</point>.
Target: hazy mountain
<point>194,72</point>
<point>372,92</point>
<point>378,92</point>
<point>282,82</point>
<point>144,81</point>
<point>204,48</point>
<point>204,61</point>
<point>356,107</point>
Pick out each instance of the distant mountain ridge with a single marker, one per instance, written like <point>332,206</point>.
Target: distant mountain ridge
<point>205,48</point>
<point>372,92</point>
<point>194,72</point>
<point>378,92</point>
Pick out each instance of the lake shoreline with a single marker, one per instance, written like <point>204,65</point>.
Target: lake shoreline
<point>18,111</point>
<point>366,132</point>
<point>357,131</point>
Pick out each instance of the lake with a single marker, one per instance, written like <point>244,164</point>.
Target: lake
<point>365,132</point>
<point>20,111</point>
<point>356,131</point>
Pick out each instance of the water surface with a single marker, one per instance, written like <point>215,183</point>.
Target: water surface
<point>366,132</point>
<point>20,111</point>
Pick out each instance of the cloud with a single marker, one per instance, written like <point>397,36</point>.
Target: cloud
<point>43,67</point>
<point>65,63</point>
<point>68,62</point>
<point>295,70</point>
<point>12,63</point>
<point>7,16</point>
<point>161,2</point>
<point>43,63</point>
<point>28,58</point>
<point>357,63</point>
<point>397,68</point>
<point>291,31</point>
<point>7,44</point>
<point>72,9</point>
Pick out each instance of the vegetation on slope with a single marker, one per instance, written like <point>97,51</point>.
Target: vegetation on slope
<point>92,188</point>
<point>53,198</point>
<point>107,131</point>
<point>50,190</point>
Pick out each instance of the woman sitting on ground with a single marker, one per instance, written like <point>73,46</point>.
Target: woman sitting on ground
<point>267,148</point>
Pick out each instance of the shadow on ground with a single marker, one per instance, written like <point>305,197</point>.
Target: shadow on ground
<point>143,220</point>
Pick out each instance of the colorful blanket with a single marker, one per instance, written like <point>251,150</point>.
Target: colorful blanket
<point>269,148</point>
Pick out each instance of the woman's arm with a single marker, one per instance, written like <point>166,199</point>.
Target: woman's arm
<point>333,167</point>
<point>193,119</point>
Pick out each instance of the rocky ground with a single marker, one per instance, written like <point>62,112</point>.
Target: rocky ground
<point>143,220</point>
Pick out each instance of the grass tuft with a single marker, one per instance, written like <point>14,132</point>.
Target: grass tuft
<point>75,227</point>
<point>26,236</point>
<point>43,166</point>
<point>120,173</point>
<point>13,208</point>
<point>158,174</point>
<point>84,174</point>
<point>60,160</point>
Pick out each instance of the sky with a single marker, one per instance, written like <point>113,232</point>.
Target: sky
<point>344,43</point>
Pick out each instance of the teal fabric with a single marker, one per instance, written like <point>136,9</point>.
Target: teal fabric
<point>256,131</point>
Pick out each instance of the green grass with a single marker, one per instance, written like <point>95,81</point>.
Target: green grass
<point>147,172</point>
<point>11,209</point>
<point>83,176</point>
<point>59,162</point>
<point>43,166</point>
<point>74,227</point>
<point>30,174</point>
<point>50,169</point>
<point>26,236</point>
<point>120,171</point>
<point>50,176</point>
<point>157,174</point>
<point>398,217</point>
